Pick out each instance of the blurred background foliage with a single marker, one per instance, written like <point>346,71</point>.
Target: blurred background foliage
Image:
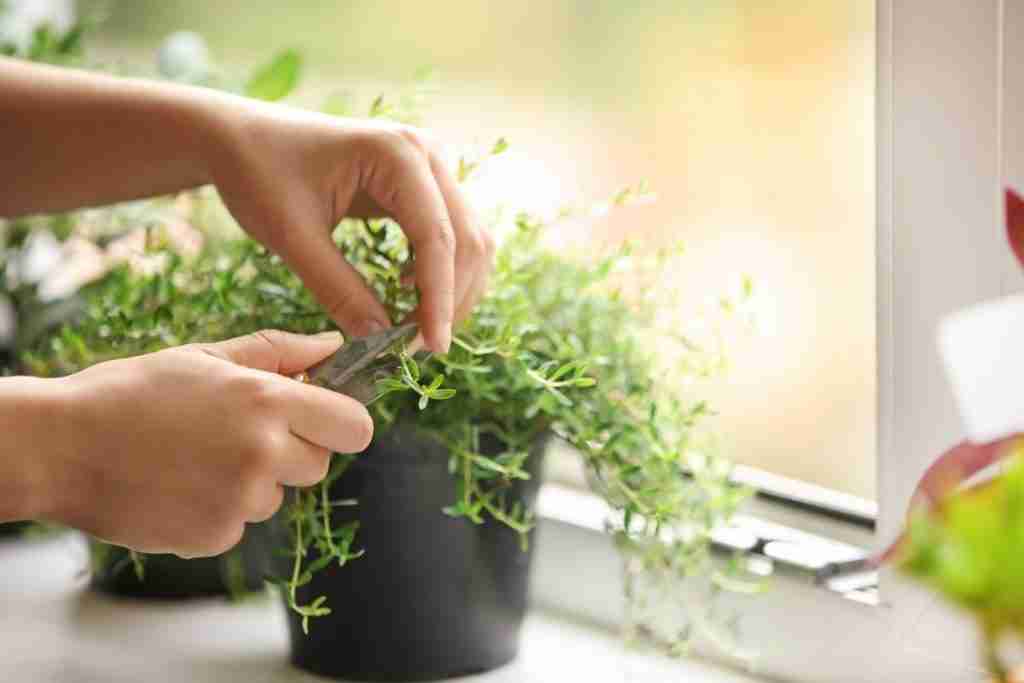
<point>751,119</point>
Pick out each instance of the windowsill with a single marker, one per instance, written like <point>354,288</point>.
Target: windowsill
<point>56,630</point>
<point>577,572</point>
<point>577,599</point>
<point>786,542</point>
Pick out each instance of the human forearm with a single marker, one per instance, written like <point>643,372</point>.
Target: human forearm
<point>30,425</point>
<point>72,138</point>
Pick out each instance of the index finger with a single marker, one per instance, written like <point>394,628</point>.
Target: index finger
<point>411,195</point>
<point>326,418</point>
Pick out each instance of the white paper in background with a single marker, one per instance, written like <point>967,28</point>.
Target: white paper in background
<point>983,350</point>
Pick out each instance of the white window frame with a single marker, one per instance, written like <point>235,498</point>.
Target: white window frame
<point>950,128</point>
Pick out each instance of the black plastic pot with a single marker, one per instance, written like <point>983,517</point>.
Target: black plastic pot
<point>433,597</point>
<point>13,530</point>
<point>168,577</point>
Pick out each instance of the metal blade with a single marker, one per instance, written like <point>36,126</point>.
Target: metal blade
<point>355,356</point>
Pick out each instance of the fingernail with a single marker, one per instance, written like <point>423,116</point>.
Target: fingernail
<point>444,337</point>
<point>329,335</point>
<point>415,345</point>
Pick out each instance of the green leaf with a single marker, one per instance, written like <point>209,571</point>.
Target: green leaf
<point>455,510</point>
<point>562,371</point>
<point>388,384</point>
<point>277,79</point>
<point>339,103</point>
<point>72,40</point>
<point>378,108</point>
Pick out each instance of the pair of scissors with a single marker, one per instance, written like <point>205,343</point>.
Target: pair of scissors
<point>359,364</point>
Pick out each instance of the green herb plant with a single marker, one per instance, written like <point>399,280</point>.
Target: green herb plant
<point>971,550</point>
<point>555,346</point>
<point>570,345</point>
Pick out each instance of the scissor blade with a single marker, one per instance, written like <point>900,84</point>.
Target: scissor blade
<point>362,386</point>
<point>355,355</point>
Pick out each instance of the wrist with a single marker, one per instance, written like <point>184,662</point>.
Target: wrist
<point>35,428</point>
<point>217,122</point>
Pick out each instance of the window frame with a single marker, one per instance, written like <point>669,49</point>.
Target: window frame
<point>944,118</point>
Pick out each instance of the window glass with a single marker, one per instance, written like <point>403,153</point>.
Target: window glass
<point>753,122</point>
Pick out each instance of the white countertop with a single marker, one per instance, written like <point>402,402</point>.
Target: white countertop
<point>54,630</point>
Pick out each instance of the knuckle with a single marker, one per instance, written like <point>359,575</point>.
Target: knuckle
<point>399,146</point>
<point>223,538</point>
<point>264,398</point>
<point>259,459</point>
<point>252,495</point>
<point>417,138</point>
<point>477,246</point>
<point>245,386</point>
<point>490,245</point>
<point>339,308</point>
<point>319,466</point>
<point>263,502</point>
<point>444,234</point>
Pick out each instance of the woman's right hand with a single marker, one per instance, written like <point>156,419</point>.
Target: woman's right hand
<point>175,451</point>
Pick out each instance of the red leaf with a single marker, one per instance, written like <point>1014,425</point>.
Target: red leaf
<point>946,473</point>
<point>1015,223</point>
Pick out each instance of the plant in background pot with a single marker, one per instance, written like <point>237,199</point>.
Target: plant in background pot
<point>968,542</point>
<point>969,548</point>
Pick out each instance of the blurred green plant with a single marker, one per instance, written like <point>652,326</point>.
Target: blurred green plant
<point>970,549</point>
<point>277,79</point>
<point>49,45</point>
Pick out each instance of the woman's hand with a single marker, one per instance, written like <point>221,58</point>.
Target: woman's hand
<point>175,451</point>
<point>290,176</point>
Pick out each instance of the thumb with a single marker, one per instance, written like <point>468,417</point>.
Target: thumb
<point>275,351</point>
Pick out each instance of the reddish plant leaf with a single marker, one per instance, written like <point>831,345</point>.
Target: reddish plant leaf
<point>1015,223</point>
<point>946,473</point>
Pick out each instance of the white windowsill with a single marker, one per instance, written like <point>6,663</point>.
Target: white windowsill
<point>55,630</point>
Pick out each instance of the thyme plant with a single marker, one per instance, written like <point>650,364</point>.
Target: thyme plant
<point>556,345</point>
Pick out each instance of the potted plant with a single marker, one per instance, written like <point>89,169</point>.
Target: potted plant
<point>967,543</point>
<point>559,346</point>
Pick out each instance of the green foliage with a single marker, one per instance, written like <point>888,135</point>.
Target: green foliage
<point>277,79</point>
<point>971,550</point>
<point>49,45</point>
